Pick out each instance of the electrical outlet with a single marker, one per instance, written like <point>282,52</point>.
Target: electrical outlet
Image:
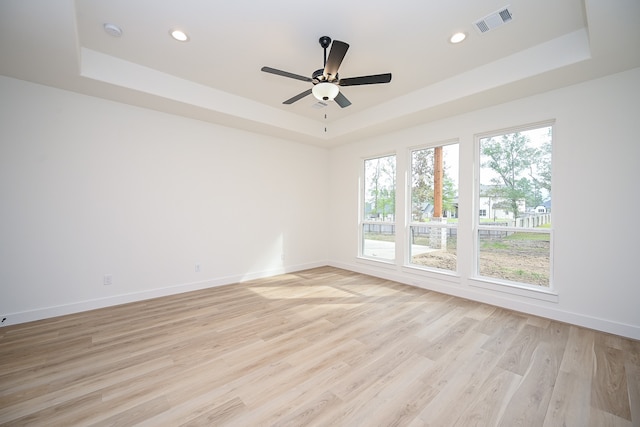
<point>197,268</point>
<point>108,279</point>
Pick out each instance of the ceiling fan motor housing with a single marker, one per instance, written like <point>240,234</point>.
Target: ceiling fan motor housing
<point>318,77</point>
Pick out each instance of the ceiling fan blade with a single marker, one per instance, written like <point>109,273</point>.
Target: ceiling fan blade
<point>365,80</point>
<point>298,97</point>
<point>285,74</point>
<point>342,100</point>
<point>336,55</point>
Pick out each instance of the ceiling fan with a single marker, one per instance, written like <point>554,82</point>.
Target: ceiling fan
<point>326,81</point>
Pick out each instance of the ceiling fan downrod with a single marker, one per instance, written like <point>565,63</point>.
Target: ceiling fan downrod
<point>325,41</point>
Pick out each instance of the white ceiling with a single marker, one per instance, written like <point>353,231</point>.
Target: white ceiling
<point>216,75</point>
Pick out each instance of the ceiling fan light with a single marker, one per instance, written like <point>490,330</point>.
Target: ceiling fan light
<point>325,91</point>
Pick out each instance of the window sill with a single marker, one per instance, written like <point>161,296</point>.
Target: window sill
<point>515,289</point>
<point>447,275</point>
<point>379,263</point>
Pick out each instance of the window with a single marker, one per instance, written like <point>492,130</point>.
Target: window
<point>434,207</point>
<point>513,228</point>
<point>378,230</point>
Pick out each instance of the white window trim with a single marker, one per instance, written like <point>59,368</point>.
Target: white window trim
<point>549,293</point>
<point>360,256</point>
<point>514,229</point>
<point>408,210</point>
<point>499,132</point>
<point>515,288</point>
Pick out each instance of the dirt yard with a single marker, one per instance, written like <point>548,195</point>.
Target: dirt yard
<point>524,261</point>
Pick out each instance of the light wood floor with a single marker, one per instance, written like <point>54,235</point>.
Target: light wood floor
<point>320,347</point>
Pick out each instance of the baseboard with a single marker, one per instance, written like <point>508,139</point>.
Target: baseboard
<point>496,299</point>
<point>80,306</point>
<point>604,325</point>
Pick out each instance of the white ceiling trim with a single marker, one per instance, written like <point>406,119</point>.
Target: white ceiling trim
<point>555,54</point>
<point>116,71</point>
<point>563,51</point>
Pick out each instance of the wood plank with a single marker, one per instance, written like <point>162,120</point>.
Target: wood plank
<point>490,402</point>
<point>502,326</point>
<point>373,393</point>
<point>572,391</point>
<point>529,403</point>
<point>460,389</point>
<point>632,368</point>
<point>136,414</point>
<point>441,346</point>
<point>517,356</point>
<point>609,392</point>
<point>599,418</point>
<point>570,396</point>
<point>219,414</point>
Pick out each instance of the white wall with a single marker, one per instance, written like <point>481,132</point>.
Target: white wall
<point>91,187</point>
<point>595,163</point>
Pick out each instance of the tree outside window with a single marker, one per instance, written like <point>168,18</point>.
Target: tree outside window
<point>379,206</point>
<point>514,205</point>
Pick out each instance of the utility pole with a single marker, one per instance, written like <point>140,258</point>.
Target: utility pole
<point>438,235</point>
<point>437,182</point>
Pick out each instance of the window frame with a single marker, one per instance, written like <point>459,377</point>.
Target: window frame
<point>362,221</point>
<point>410,223</point>
<point>546,293</point>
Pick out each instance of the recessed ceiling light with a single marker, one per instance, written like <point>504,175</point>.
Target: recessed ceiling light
<point>179,35</point>
<point>113,30</point>
<point>457,38</point>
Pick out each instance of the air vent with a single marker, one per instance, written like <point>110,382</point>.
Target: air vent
<point>494,20</point>
<point>319,105</point>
